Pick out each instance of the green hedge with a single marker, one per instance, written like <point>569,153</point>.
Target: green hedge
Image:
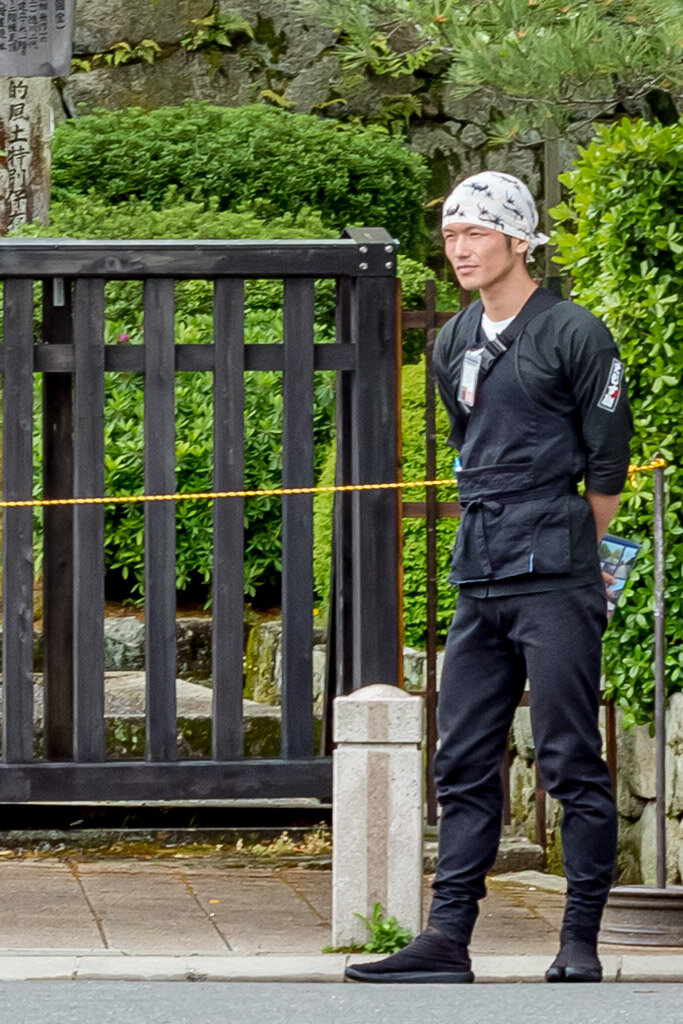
<point>620,235</point>
<point>414,535</point>
<point>268,159</point>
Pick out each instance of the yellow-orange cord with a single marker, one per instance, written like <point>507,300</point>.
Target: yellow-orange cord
<point>274,492</point>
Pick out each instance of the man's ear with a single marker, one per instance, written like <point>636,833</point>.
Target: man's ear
<point>520,246</point>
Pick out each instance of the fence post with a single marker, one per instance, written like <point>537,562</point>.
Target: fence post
<point>58,545</point>
<point>377,810</point>
<point>375,459</point>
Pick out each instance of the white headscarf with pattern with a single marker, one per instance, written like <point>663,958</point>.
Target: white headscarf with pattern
<point>499,201</point>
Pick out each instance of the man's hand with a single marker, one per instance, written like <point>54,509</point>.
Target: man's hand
<point>604,508</point>
<point>609,580</point>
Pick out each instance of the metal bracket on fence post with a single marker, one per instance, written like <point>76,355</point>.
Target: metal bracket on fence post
<point>58,292</point>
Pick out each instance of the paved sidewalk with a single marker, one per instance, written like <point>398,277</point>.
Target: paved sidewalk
<point>195,919</point>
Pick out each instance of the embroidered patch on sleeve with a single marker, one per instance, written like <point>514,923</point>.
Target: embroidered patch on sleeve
<point>610,395</point>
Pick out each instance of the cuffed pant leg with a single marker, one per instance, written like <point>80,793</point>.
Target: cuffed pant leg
<point>481,685</point>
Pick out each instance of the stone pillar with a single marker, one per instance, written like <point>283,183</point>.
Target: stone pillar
<point>25,163</point>
<point>378,809</point>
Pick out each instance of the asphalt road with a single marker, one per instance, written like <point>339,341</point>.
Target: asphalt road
<point>235,1003</point>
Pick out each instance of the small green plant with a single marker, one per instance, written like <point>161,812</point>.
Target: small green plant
<point>119,54</point>
<point>386,935</point>
<point>312,844</point>
<point>216,30</point>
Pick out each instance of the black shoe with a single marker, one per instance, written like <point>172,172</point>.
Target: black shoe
<point>429,958</point>
<point>576,961</point>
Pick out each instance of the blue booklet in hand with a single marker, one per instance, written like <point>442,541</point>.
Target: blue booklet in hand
<point>617,556</point>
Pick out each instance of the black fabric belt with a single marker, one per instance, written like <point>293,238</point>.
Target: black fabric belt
<point>505,498</point>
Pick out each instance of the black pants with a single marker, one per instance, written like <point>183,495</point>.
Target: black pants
<point>494,645</point>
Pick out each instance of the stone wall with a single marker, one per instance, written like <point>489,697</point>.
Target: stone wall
<point>291,60</point>
<point>635,797</point>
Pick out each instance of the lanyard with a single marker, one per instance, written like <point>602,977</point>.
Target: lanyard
<point>477,362</point>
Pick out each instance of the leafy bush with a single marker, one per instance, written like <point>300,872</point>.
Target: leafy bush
<point>620,236</point>
<point>269,159</point>
<point>414,532</point>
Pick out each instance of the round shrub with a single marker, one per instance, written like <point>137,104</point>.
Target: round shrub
<point>266,158</point>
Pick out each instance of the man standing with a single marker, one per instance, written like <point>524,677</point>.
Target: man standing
<point>537,403</point>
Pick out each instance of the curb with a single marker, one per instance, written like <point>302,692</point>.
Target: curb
<point>45,965</point>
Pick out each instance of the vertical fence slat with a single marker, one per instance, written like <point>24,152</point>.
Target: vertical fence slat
<point>160,602</point>
<point>339,663</point>
<point>228,520</point>
<point>89,520</point>
<point>297,520</point>
<point>58,626</point>
<point>17,576</point>
<point>377,657</point>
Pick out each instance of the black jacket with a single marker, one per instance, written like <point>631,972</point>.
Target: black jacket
<point>552,411</point>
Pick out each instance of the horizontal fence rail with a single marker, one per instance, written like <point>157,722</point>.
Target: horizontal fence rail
<point>65,346</point>
<point>364,255</point>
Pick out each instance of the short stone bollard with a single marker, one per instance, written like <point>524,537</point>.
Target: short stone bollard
<point>378,782</point>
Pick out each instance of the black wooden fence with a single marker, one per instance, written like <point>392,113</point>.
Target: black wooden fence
<point>72,357</point>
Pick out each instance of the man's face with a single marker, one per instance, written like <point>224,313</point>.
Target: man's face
<point>481,257</point>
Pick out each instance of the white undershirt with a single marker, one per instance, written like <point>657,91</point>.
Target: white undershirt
<point>493,327</point>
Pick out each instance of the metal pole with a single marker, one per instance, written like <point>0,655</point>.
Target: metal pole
<point>660,695</point>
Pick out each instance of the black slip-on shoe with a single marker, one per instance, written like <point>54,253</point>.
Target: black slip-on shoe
<point>364,972</point>
<point>576,961</point>
<point>430,958</point>
<point>572,973</point>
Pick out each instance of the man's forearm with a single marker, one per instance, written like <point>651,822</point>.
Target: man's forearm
<point>604,508</point>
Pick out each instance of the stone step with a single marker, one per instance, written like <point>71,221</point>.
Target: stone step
<point>232,847</point>
<point>515,853</point>
<point>124,700</point>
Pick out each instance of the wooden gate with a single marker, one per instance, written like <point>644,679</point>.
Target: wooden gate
<point>70,354</point>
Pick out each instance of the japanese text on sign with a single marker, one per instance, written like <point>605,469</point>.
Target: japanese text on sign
<point>18,153</point>
<point>35,38</point>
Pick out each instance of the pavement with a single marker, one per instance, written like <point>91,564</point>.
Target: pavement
<point>111,1002</point>
<point>192,918</point>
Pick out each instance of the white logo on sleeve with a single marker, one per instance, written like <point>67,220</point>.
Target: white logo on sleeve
<point>610,395</point>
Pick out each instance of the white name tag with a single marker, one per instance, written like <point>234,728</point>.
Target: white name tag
<point>471,365</point>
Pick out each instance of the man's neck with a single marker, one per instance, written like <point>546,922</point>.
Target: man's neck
<point>505,298</point>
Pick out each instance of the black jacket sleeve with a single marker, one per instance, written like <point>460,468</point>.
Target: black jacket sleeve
<point>598,386</point>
